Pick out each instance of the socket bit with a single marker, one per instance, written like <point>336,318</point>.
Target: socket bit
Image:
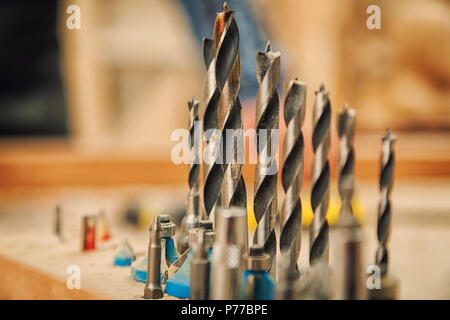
<point>153,289</point>
<point>228,249</point>
<point>320,178</point>
<point>266,171</point>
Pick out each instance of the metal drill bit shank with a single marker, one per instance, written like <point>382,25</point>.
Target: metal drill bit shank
<point>292,168</point>
<point>384,208</point>
<point>266,178</point>
<point>346,164</point>
<point>200,269</point>
<point>227,253</point>
<point>153,289</point>
<point>320,177</point>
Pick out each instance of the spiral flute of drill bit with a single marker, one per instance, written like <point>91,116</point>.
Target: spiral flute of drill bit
<point>210,103</point>
<point>292,168</point>
<point>227,80</point>
<point>320,177</point>
<point>384,208</point>
<point>346,164</point>
<point>194,165</point>
<point>266,178</point>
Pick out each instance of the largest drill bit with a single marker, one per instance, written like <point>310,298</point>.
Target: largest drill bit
<point>384,208</point>
<point>226,41</point>
<point>318,236</point>
<point>292,168</point>
<point>266,178</point>
<point>227,81</point>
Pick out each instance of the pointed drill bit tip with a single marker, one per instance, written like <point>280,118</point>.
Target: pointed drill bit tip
<point>268,46</point>
<point>192,103</point>
<point>389,136</point>
<point>348,112</point>
<point>321,90</point>
<point>225,7</point>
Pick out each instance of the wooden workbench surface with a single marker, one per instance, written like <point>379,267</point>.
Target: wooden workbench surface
<point>33,262</point>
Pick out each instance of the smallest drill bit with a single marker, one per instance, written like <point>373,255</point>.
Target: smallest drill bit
<point>58,223</point>
<point>153,289</point>
<point>200,269</point>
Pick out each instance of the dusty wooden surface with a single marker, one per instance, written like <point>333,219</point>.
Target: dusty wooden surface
<point>33,262</point>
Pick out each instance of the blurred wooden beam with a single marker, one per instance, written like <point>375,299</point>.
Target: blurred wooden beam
<point>55,163</point>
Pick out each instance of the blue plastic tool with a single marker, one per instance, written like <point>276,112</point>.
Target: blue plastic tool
<point>125,255</point>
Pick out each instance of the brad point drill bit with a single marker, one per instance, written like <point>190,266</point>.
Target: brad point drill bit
<point>266,172</point>
<point>228,77</point>
<point>200,269</point>
<point>153,289</point>
<point>318,236</point>
<point>346,164</point>
<point>384,208</point>
<point>229,111</point>
<point>292,168</point>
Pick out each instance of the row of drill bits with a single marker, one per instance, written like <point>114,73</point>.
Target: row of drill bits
<point>224,191</point>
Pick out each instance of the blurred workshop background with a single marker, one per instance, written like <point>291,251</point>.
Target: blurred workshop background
<point>86,115</point>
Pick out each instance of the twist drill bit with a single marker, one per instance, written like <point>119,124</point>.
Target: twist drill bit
<point>200,269</point>
<point>292,168</point>
<point>320,177</point>
<point>346,165</point>
<point>153,289</point>
<point>192,217</point>
<point>266,172</point>
<point>194,167</point>
<point>210,121</point>
<point>348,267</point>
<point>384,208</point>
<point>227,81</point>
